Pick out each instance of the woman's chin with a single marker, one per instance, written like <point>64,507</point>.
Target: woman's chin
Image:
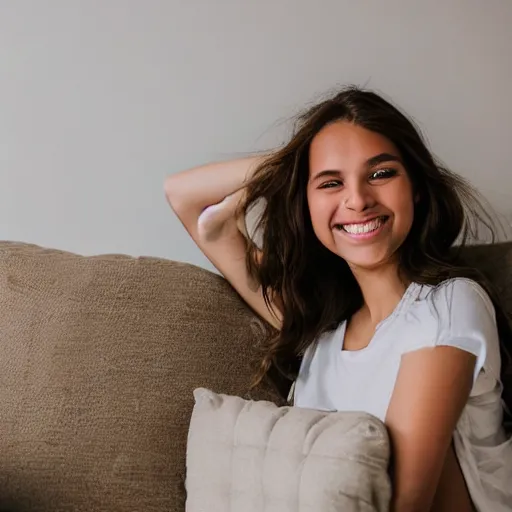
<point>366,260</point>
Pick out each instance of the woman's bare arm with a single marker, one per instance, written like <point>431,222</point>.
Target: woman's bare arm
<point>205,200</point>
<point>432,387</point>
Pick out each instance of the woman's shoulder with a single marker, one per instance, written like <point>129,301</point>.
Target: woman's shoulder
<point>460,297</point>
<point>458,312</point>
<point>456,308</point>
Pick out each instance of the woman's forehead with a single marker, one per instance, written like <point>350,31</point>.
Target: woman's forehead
<point>346,145</point>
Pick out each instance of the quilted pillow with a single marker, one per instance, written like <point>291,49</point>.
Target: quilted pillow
<point>253,456</point>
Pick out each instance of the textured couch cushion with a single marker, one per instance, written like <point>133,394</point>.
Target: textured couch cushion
<point>98,360</point>
<point>246,456</point>
<point>99,357</point>
<point>495,261</point>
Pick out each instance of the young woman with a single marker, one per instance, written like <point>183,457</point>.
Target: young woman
<point>356,270</point>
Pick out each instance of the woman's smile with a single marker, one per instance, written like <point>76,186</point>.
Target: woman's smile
<point>362,231</point>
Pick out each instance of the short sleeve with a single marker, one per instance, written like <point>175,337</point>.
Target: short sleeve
<point>467,320</point>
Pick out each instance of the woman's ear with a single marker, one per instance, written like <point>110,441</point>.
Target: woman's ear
<point>417,197</point>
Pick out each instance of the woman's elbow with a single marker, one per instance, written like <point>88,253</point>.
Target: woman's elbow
<point>172,191</point>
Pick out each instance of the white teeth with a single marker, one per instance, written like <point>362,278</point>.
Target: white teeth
<point>357,229</point>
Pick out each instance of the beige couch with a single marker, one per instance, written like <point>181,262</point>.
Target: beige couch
<point>98,360</point>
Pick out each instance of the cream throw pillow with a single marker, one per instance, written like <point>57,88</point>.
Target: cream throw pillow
<point>246,456</point>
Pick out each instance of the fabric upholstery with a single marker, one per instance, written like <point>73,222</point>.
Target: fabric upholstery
<point>99,357</point>
<point>495,261</point>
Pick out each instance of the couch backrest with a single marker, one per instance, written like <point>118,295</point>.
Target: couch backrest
<point>98,360</point>
<point>495,261</point>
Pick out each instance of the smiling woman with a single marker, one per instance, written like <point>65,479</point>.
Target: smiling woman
<point>359,193</point>
<point>373,308</point>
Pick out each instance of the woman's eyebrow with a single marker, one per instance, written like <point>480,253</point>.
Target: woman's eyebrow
<point>382,157</point>
<point>331,173</point>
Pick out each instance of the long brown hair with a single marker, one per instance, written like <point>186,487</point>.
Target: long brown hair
<point>314,287</point>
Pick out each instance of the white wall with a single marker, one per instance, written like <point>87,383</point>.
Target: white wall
<point>101,99</point>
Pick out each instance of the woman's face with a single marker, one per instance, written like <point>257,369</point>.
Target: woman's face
<point>360,196</point>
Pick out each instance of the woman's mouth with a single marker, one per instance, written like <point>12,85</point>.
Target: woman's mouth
<point>363,230</point>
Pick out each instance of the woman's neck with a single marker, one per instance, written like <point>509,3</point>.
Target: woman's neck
<point>382,290</point>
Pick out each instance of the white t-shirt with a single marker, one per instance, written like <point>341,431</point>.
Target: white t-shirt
<point>457,313</point>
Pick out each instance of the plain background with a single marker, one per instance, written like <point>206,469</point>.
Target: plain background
<point>101,99</point>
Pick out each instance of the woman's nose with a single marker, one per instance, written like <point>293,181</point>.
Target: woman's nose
<point>358,199</point>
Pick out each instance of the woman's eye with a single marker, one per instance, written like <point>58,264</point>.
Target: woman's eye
<point>330,184</point>
<point>382,174</point>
